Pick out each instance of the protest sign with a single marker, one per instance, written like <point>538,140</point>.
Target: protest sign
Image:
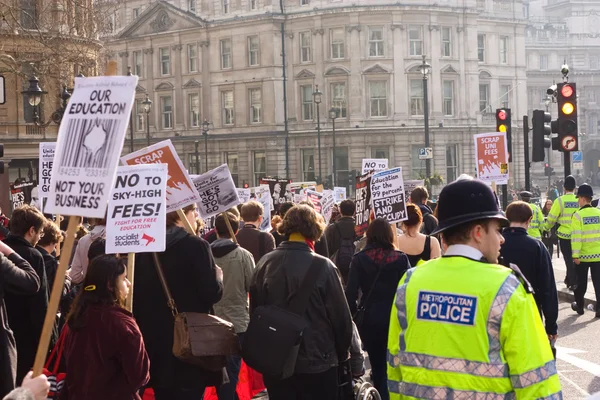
<point>409,186</point>
<point>20,193</point>
<point>217,191</point>
<point>90,139</point>
<point>363,203</point>
<point>244,195</point>
<point>316,199</point>
<point>181,191</point>
<point>491,157</point>
<point>47,150</point>
<point>263,196</point>
<point>327,202</point>
<point>387,191</point>
<point>339,193</point>
<point>374,164</point>
<point>137,210</point>
<point>300,197</point>
<point>280,191</point>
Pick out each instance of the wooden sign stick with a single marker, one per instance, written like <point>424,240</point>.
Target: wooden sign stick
<point>57,288</point>
<point>131,277</point>
<point>229,228</point>
<point>186,223</point>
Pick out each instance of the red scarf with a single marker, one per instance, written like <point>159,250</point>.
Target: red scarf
<point>297,237</point>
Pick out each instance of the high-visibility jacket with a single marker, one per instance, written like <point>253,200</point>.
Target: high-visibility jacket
<point>461,328</point>
<point>562,211</point>
<point>585,234</point>
<point>536,222</point>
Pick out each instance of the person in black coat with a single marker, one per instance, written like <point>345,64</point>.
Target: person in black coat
<point>16,276</point>
<point>379,267</point>
<point>26,312</point>
<point>533,259</point>
<point>196,284</point>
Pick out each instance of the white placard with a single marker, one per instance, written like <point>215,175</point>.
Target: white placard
<point>339,193</point>
<point>217,191</point>
<point>90,140</point>
<point>327,203</point>
<point>244,195</point>
<point>263,195</point>
<point>137,210</point>
<point>47,150</point>
<point>181,191</point>
<point>374,164</point>
<point>387,195</point>
<point>316,198</point>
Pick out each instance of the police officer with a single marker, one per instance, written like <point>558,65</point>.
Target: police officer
<point>538,217</point>
<point>562,211</point>
<point>463,326</point>
<point>585,241</point>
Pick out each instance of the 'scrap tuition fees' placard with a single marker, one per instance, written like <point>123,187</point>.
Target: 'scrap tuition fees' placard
<point>491,157</point>
<point>137,210</point>
<point>387,192</point>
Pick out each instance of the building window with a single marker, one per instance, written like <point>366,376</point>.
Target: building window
<point>446,42</point>
<point>448,98</point>
<point>342,165</point>
<point>594,62</point>
<point>225,53</point>
<point>307,102</point>
<point>135,12</point>
<point>192,58</point>
<point>337,43</point>
<point>227,99</point>
<point>29,14</point>
<point>376,47</point>
<point>543,62</point>
<point>226,6</point>
<point>253,4</point>
<point>416,97</point>
<point>165,61</point>
<point>194,108</point>
<point>260,166</point>
<point>191,6</point>
<point>504,95</point>
<point>451,162</point>
<point>305,47</point>
<point>253,51</point>
<point>415,38</point>
<point>481,47</point>
<point>378,98</point>
<point>255,99</point>
<point>503,49</point>
<point>417,166</point>
<point>234,166</point>
<point>137,62</point>
<point>166,104</point>
<point>338,98</point>
<point>140,116</point>
<point>304,2</point>
<point>308,165</point>
<point>380,152</point>
<point>484,97</point>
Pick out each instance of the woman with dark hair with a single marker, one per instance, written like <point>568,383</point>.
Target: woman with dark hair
<point>417,246</point>
<point>104,351</point>
<point>375,272</point>
<point>326,340</point>
<point>196,284</point>
<point>549,238</point>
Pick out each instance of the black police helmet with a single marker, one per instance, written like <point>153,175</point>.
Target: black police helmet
<point>525,195</point>
<point>466,201</point>
<point>585,190</point>
<point>570,183</point>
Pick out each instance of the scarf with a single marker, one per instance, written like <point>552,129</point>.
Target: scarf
<point>297,237</point>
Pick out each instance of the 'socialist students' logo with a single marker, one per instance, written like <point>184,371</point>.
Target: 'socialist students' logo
<point>447,307</point>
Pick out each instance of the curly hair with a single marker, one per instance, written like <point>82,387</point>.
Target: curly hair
<point>52,234</point>
<point>303,220</point>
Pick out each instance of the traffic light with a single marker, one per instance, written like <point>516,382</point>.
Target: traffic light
<point>503,125</point>
<point>1,155</point>
<point>352,178</point>
<point>246,186</point>
<point>548,170</point>
<point>567,117</point>
<point>541,128</point>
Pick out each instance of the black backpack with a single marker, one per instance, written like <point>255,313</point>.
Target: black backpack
<point>274,334</point>
<point>343,256</point>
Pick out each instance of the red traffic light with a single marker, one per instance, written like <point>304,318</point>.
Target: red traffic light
<point>547,165</point>
<point>501,115</point>
<point>566,91</point>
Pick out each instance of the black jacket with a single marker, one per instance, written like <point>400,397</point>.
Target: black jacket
<point>343,228</point>
<point>16,276</point>
<point>533,259</point>
<point>26,312</point>
<point>329,333</point>
<point>190,271</point>
<point>429,221</point>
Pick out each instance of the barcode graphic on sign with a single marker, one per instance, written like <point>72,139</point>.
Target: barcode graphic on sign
<point>90,144</point>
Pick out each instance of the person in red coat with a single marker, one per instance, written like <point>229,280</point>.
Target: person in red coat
<point>104,351</point>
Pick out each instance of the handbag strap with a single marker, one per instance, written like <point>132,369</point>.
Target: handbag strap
<point>298,300</point>
<point>163,282</point>
<point>364,302</point>
<point>58,348</point>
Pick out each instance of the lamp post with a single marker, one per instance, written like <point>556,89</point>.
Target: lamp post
<point>333,113</point>
<point>318,96</point>
<point>425,69</point>
<point>34,97</point>
<point>131,146</point>
<point>197,159</point>
<point>147,106</point>
<point>205,126</point>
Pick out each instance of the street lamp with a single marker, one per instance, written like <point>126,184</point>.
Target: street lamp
<point>147,106</point>
<point>34,97</point>
<point>205,126</point>
<point>317,95</point>
<point>197,160</point>
<point>425,70</point>
<point>333,113</point>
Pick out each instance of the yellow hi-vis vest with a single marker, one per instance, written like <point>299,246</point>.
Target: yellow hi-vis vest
<point>536,222</point>
<point>562,211</point>
<point>585,234</point>
<point>461,328</point>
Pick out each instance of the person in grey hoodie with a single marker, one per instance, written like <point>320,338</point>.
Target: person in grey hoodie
<point>237,264</point>
<point>80,260</point>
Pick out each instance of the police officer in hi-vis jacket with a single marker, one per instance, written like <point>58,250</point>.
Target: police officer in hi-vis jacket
<point>463,326</point>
